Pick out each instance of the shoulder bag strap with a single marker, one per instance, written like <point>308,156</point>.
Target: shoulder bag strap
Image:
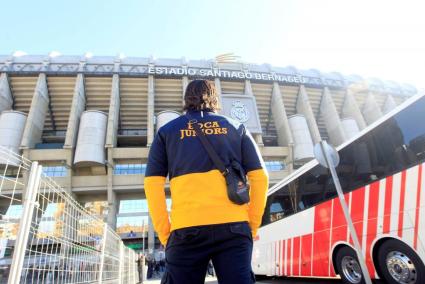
<point>207,145</point>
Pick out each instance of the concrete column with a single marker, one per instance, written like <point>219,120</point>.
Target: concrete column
<point>6,99</point>
<point>37,114</point>
<point>371,110</point>
<point>114,113</point>
<point>111,195</point>
<point>217,84</point>
<point>69,159</point>
<point>351,109</point>
<point>303,107</point>
<point>390,104</point>
<point>77,108</point>
<point>185,82</point>
<point>248,91</point>
<point>112,209</point>
<point>151,109</point>
<point>258,139</point>
<point>151,235</point>
<point>284,135</point>
<point>248,88</point>
<point>331,118</point>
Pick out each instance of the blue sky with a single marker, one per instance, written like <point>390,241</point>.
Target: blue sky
<point>384,39</point>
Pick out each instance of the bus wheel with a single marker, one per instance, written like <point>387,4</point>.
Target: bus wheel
<point>348,266</point>
<point>399,264</point>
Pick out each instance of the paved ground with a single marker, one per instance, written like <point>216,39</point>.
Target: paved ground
<point>211,280</point>
<point>298,281</point>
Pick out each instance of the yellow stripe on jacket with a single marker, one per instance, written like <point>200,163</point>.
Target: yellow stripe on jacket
<point>201,199</point>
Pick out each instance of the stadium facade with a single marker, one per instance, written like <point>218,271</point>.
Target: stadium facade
<point>90,120</point>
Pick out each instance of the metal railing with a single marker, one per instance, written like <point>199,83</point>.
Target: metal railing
<point>53,238</point>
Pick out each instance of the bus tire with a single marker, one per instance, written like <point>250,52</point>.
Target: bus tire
<point>348,266</point>
<point>400,264</point>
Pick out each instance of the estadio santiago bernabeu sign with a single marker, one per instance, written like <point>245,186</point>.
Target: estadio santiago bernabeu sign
<point>167,71</point>
<point>243,75</point>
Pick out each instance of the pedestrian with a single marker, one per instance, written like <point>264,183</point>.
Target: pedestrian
<point>140,267</point>
<point>207,222</point>
<point>150,267</point>
<point>210,269</point>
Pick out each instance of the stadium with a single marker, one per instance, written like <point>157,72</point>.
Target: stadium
<point>90,120</point>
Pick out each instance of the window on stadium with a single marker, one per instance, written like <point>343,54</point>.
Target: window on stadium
<point>9,171</point>
<point>137,224</point>
<point>130,169</point>
<point>133,206</point>
<point>55,171</point>
<point>274,166</point>
<point>137,206</point>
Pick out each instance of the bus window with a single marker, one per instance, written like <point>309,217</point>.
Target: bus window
<point>278,206</point>
<point>308,190</point>
<point>394,145</point>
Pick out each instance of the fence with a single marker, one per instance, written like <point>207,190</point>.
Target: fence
<point>53,238</point>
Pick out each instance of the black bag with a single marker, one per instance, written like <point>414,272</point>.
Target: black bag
<point>237,187</point>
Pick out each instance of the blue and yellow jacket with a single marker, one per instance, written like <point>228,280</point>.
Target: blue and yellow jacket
<point>198,189</point>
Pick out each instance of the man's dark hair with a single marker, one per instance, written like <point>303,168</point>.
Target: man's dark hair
<point>201,95</point>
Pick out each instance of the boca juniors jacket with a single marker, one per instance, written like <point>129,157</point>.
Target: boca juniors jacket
<point>198,189</point>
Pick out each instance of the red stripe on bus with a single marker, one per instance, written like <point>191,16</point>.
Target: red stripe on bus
<point>322,216</point>
<point>357,211</point>
<point>372,223</point>
<point>321,253</point>
<point>339,225</point>
<point>288,257</point>
<point>306,255</point>
<point>296,258</point>
<point>418,205</point>
<point>322,226</point>
<point>401,208</point>
<point>387,206</point>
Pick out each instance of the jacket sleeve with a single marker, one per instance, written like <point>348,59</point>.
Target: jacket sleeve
<point>154,182</point>
<point>258,180</point>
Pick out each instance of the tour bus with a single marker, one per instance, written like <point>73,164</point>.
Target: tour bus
<point>381,171</point>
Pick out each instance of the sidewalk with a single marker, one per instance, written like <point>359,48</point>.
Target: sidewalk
<point>209,280</point>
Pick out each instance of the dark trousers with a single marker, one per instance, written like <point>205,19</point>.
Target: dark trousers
<point>189,250</point>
